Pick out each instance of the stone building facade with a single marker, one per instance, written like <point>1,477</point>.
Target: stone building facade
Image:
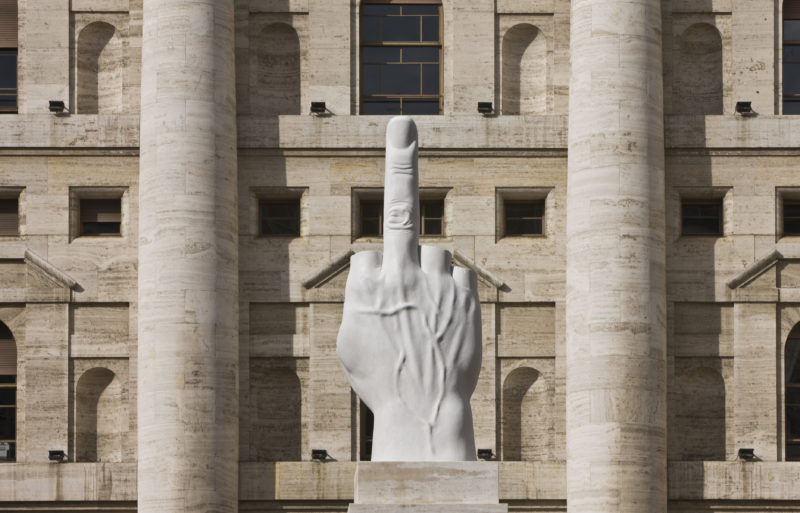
<point>175,242</point>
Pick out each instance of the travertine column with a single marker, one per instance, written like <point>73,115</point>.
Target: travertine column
<point>188,314</point>
<point>616,327</point>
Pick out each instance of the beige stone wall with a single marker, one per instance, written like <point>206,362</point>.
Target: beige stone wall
<point>725,344</point>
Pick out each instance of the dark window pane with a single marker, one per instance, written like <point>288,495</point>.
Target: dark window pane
<point>700,227</point>
<point>523,226</point>
<point>370,29</point>
<point>8,396</point>
<point>100,228</point>
<point>791,209</point>
<point>793,395</point>
<point>433,209</point>
<point>401,79</point>
<point>8,379</point>
<point>372,208</point>
<point>793,452</point>
<point>793,422</point>
<point>370,227</point>
<point>8,423</point>
<point>401,28</point>
<point>791,107</point>
<point>380,54</point>
<point>791,53</point>
<point>420,9</point>
<point>380,9</point>
<point>381,107</point>
<point>371,80</point>
<point>280,217</point>
<point>7,451</point>
<point>791,30</point>
<point>8,70</point>
<point>432,227</point>
<point>791,78</point>
<point>430,79</point>
<point>430,28</point>
<point>420,54</point>
<point>421,106</point>
<point>791,226</point>
<point>524,209</point>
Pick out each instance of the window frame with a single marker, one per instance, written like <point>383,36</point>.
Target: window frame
<point>78,194</point>
<point>9,46</point>
<point>716,202</point>
<point>294,201</point>
<point>789,12</point>
<point>515,195</point>
<point>399,44</point>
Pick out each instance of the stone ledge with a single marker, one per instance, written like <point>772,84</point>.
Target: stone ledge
<point>81,482</point>
<point>734,480</point>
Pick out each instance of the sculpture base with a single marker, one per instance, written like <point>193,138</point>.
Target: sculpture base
<point>429,487</point>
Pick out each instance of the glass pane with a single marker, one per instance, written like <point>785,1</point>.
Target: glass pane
<point>401,28</point>
<point>695,226</point>
<point>380,9</point>
<point>7,451</point>
<point>523,226</point>
<point>791,226</point>
<point>793,395</point>
<point>380,54</point>
<point>793,422</point>
<point>420,9</point>
<point>100,228</point>
<point>8,379</point>
<point>430,79</point>
<point>430,28</point>
<point>8,396</point>
<point>370,29</point>
<point>791,78</point>
<point>421,107</point>
<point>432,227</point>
<point>791,30</point>
<point>793,452</point>
<point>276,226</point>
<point>524,209</point>
<point>791,107</point>
<point>371,79</point>
<point>8,102</point>
<point>433,209</point>
<point>381,107</point>
<point>401,79</point>
<point>791,209</point>
<point>791,53</point>
<point>281,209</point>
<point>8,70</point>
<point>420,54</point>
<point>8,423</point>
<point>370,226</point>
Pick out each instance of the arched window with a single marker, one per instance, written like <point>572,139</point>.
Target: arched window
<point>8,395</point>
<point>8,56</point>
<point>792,397</point>
<point>401,58</point>
<point>791,57</point>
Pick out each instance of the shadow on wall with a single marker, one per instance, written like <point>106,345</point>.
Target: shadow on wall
<point>98,419</point>
<point>276,77</point>
<point>100,67</point>
<point>275,392</point>
<point>699,420</point>
<point>526,407</point>
<point>524,71</point>
<point>698,71</point>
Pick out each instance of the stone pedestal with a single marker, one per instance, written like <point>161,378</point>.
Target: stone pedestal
<point>391,487</point>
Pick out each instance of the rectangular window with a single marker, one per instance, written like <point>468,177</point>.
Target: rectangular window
<point>523,217</point>
<point>401,55</point>
<point>701,217</point>
<point>8,56</point>
<point>279,217</point>
<point>100,216</point>
<point>431,218</point>
<point>9,217</point>
<point>371,221</point>
<point>791,218</point>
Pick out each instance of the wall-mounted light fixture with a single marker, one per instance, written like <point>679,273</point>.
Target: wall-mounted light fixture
<point>57,106</point>
<point>57,456</point>
<point>485,454</point>
<point>319,454</point>
<point>745,109</point>
<point>318,108</point>
<point>485,108</point>
<point>747,454</point>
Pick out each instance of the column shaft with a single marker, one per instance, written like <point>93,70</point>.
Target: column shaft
<point>188,276</point>
<point>616,292</point>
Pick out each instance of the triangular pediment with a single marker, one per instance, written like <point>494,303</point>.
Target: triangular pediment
<point>328,282</point>
<point>773,277</point>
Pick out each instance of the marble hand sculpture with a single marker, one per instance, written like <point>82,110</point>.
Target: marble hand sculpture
<point>410,339</point>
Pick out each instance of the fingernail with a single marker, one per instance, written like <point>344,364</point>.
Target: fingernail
<point>401,132</point>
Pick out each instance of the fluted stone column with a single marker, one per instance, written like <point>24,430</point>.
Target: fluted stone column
<point>188,317</point>
<point>616,326</point>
